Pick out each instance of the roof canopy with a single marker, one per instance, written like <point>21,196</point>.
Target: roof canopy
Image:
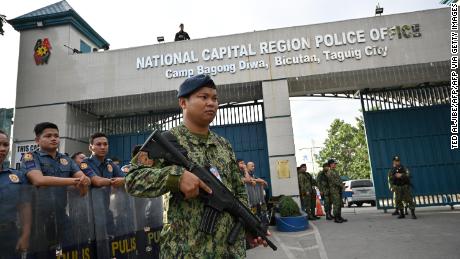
<point>59,13</point>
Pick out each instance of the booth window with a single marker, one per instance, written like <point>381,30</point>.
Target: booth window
<point>84,48</point>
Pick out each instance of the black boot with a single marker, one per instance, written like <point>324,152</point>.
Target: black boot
<point>401,214</point>
<point>328,215</point>
<point>395,213</point>
<point>412,212</point>
<point>311,217</point>
<point>338,219</point>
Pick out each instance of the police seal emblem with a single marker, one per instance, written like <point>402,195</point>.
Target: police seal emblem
<point>63,161</point>
<point>14,178</point>
<point>109,168</point>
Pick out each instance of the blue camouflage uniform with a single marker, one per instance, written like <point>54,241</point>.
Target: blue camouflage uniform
<point>51,223</point>
<point>13,192</point>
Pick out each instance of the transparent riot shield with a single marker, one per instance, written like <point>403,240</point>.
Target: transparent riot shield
<point>256,199</point>
<point>15,221</point>
<point>62,223</point>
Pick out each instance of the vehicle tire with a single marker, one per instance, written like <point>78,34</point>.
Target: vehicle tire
<point>373,203</point>
<point>359,204</point>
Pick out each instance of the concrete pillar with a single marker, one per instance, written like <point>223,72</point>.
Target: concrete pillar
<point>280,137</point>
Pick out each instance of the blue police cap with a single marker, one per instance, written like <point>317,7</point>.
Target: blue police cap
<point>194,83</point>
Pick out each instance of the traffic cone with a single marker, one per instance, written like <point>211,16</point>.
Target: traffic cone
<point>319,208</point>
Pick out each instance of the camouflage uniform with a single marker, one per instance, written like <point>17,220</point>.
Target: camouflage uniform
<point>307,193</point>
<point>336,188</point>
<point>323,185</point>
<point>402,189</point>
<point>181,237</point>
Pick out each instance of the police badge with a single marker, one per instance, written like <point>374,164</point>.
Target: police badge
<point>109,168</point>
<point>63,161</point>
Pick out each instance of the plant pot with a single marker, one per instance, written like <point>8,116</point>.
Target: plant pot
<point>291,224</point>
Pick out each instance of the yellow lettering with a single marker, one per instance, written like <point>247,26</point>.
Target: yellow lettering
<point>123,244</point>
<point>114,247</point>
<point>74,254</point>
<point>86,253</point>
<point>157,237</point>
<point>150,237</point>
<point>133,244</point>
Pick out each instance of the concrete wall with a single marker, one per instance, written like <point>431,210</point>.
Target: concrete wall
<point>114,73</point>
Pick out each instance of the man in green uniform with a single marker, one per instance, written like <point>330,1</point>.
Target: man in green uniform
<point>307,191</point>
<point>400,180</point>
<point>181,237</point>
<point>323,185</point>
<point>336,189</point>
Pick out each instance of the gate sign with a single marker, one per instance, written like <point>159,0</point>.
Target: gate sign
<point>22,148</point>
<point>42,51</point>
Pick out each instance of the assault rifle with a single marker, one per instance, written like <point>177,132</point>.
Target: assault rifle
<point>164,145</point>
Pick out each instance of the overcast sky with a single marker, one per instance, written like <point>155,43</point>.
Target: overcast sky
<point>126,24</point>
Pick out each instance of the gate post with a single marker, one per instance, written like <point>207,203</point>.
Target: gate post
<point>280,136</point>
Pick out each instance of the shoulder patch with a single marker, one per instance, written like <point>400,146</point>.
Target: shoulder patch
<point>109,168</point>
<point>28,160</point>
<point>86,169</point>
<point>14,178</point>
<point>83,165</point>
<point>28,157</point>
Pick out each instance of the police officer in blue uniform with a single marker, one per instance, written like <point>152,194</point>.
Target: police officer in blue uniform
<point>106,174</point>
<point>14,201</point>
<point>98,166</point>
<point>48,167</point>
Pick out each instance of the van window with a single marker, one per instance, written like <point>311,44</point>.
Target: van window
<point>361,183</point>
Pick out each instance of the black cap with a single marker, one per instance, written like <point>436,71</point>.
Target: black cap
<point>194,83</point>
<point>331,161</point>
<point>396,158</point>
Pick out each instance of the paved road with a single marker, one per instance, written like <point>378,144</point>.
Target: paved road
<point>372,234</point>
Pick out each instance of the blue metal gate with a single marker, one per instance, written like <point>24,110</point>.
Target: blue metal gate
<point>414,124</point>
<point>243,125</point>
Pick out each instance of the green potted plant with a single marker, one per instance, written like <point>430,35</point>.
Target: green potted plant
<point>290,218</point>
